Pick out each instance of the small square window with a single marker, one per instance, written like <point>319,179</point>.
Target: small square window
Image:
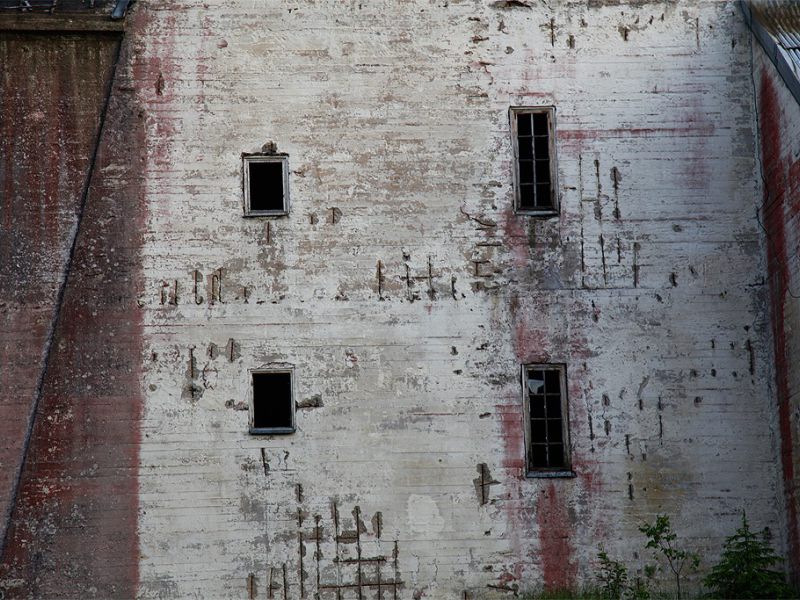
<point>266,185</point>
<point>272,406</point>
<point>546,421</point>
<point>533,132</point>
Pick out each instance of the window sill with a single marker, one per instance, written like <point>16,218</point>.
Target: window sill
<point>550,474</point>
<point>272,430</point>
<point>266,213</point>
<point>542,214</point>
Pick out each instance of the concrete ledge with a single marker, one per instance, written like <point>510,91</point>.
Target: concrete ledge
<point>60,23</point>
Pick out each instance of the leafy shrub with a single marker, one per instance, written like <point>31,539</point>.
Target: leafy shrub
<point>613,576</point>
<point>663,541</point>
<point>615,582</point>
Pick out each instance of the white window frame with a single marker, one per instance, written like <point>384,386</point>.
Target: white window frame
<point>247,160</point>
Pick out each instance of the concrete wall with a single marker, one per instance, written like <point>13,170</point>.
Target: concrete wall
<point>406,293</point>
<point>50,103</point>
<point>648,286</point>
<point>779,119</point>
<point>72,528</point>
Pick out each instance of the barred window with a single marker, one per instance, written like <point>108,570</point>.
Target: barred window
<point>533,131</point>
<point>547,422</point>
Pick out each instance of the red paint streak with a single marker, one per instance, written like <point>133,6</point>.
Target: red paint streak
<point>775,198</point>
<point>555,543</point>
<point>516,504</point>
<point>512,432</point>
<point>793,192</point>
<point>544,516</point>
<point>516,238</point>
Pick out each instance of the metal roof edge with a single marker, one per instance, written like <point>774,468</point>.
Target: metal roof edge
<point>772,49</point>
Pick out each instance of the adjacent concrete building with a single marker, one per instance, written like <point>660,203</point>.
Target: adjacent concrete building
<point>391,298</point>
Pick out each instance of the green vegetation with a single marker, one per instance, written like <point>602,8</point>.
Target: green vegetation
<point>612,575</point>
<point>745,568</point>
<point>663,542</point>
<point>585,594</point>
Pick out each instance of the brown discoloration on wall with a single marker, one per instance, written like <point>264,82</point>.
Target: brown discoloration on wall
<point>52,95</point>
<point>73,531</point>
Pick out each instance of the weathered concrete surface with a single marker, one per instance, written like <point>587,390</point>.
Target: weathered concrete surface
<point>779,118</point>
<point>407,294</point>
<point>53,91</point>
<point>73,529</point>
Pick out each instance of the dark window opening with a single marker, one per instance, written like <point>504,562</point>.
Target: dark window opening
<point>266,186</point>
<point>535,173</point>
<point>548,441</point>
<point>273,406</point>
